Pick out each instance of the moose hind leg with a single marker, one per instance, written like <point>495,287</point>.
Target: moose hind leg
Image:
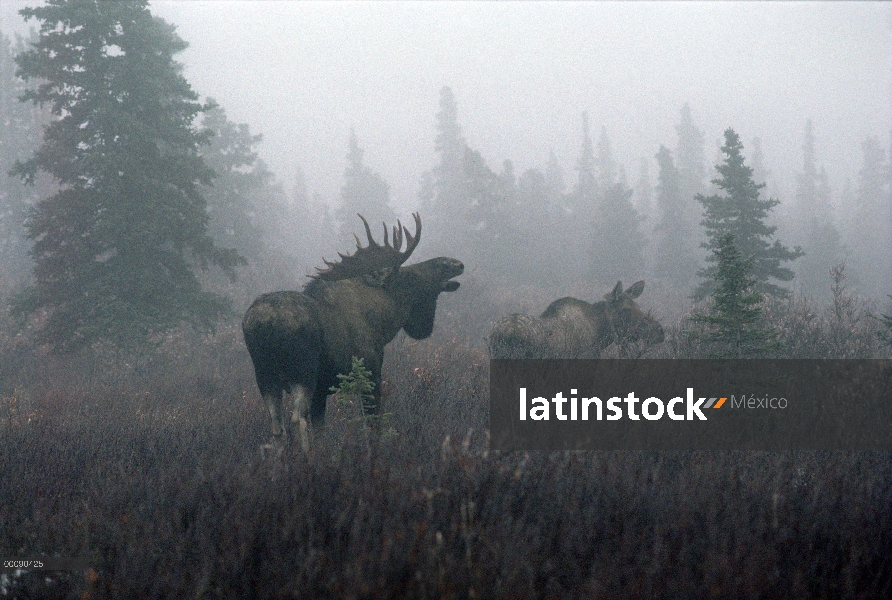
<point>273,401</point>
<point>300,415</point>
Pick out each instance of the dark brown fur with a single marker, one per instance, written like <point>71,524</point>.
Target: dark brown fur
<point>300,341</point>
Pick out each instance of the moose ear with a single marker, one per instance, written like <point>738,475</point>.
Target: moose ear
<point>635,290</point>
<point>614,295</point>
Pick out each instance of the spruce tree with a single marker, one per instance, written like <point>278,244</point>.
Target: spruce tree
<point>607,169</point>
<point>760,173</point>
<point>690,162</point>
<point>364,192</point>
<point>241,184</point>
<point>675,260</point>
<point>304,229</point>
<point>586,190</point>
<point>733,323</point>
<point>644,204</point>
<point>487,233</point>
<point>116,247</point>
<point>819,236</point>
<point>869,236</point>
<point>738,210</point>
<point>20,126</point>
<point>644,193</point>
<point>554,178</point>
<point>448,176</point>
<point>580,216</point>
<point>618,245</point>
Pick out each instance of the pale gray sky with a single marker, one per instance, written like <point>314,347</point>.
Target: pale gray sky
<point>301,73</point>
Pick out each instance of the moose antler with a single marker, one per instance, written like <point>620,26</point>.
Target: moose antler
<point>374,256</point>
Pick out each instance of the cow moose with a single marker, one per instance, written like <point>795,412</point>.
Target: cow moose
<point>300,341</point>
<point>572,328</point>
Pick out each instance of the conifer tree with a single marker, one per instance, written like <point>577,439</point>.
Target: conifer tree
<point>760,173</point>
<point>116,247</point>
<point>20,126</point>
<point>607,169</point>
<point>586,190</point>
<point>487,233</point>
<point>533,205</point>
<point>869,237</point>
<point>581,212</point>
<point>305,229</point>
<point>733,323</point>
<point>644,204</point>
<point>554,177</point>
<point>644,192</point>
<point>364,192</point>
<point>618,245</point>
<point>690,162</point>
<point>819,236</point>
<point>540,214</point>
<point>448,175</point>
<point>675,260</point>
<point>738,210</point>
<point>241,187</point>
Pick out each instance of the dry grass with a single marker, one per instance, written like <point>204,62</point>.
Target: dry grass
<point>150,466</point>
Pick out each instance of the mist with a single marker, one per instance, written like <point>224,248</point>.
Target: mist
<point>562,158</point>
<point>302,74</point>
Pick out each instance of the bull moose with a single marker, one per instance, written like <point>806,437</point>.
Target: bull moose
<point>572,328</point>
<point>300,341</point>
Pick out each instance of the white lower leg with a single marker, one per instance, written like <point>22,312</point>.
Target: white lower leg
<point>274,406</point>
<point>300,414</point>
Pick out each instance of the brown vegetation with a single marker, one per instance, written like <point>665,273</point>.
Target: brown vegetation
<point>573,328</point>
<point>150,467</point>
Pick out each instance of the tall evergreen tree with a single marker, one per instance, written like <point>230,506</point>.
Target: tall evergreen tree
<point>818,234</point>
<point>586,190</point>
<point>115,249</point>
<point>618,245</point>
<point>644,204</point>
<point>364,192</point>
<point>427,193</point>
<point>554,177</point>
<point>740,212</point>
<point>20,131</point>
<point>534,204</point>
<point>542,221</point>
<point>607,169</point>
<point>734,327</point>
<point>241,187</point>
<point>760,173</point>
<point>807,204</point>
<point>675,260</point>
<point>581,205</point>
<point>536,251</point>
<point>869,237</point>
<point>487,232</point>
<point>306,229</point>
<point>689,160</point>
<point>644,192</point>
<point>448,175</point>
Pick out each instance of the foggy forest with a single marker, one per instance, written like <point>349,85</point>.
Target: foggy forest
<point>164,164</point>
